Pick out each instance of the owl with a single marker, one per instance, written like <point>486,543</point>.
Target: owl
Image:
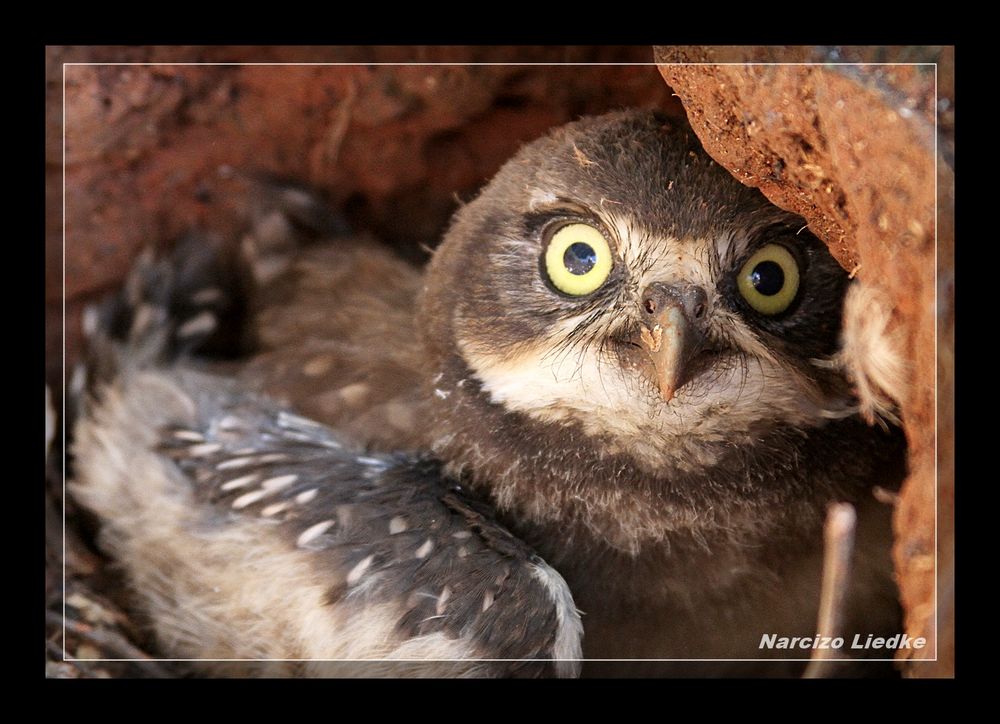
<point>604,423</point>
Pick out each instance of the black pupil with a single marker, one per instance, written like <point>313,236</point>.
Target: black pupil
<point>580,258</point>
<point>767,278</point>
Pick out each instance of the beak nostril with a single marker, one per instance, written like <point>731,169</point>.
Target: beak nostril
<point>650,305</point>
<point>699,311</point>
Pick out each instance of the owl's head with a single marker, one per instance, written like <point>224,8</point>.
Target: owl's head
<point>613,278</point>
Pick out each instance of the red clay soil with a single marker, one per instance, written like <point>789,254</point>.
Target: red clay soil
<point>855,150</point>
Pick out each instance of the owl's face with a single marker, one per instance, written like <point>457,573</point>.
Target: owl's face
<point>612,276</point>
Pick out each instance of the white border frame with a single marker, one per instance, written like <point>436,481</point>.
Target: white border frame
<point>67,658</point>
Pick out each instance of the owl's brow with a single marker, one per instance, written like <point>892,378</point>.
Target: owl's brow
<point>740,246</point>
<point>561,208</point>
<point>562,205</point>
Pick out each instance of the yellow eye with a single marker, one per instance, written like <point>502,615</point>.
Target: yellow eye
<point>578,259</point>
<point>769,280</point>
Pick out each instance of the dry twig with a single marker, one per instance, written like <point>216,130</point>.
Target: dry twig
<point>838,537</point>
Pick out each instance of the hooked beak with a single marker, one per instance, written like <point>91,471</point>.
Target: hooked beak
<point>673,332</point>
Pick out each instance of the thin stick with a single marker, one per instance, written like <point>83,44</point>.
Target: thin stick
<point>838,540</point>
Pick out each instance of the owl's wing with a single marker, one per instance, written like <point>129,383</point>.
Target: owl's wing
<point>332,318</point>
<point>249,532</point>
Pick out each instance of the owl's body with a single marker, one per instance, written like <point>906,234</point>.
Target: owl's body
<point>335,341</point>
<point>627,354</point>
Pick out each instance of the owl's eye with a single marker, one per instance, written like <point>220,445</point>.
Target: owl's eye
<point>578,259</point>
<point>769,280</point>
